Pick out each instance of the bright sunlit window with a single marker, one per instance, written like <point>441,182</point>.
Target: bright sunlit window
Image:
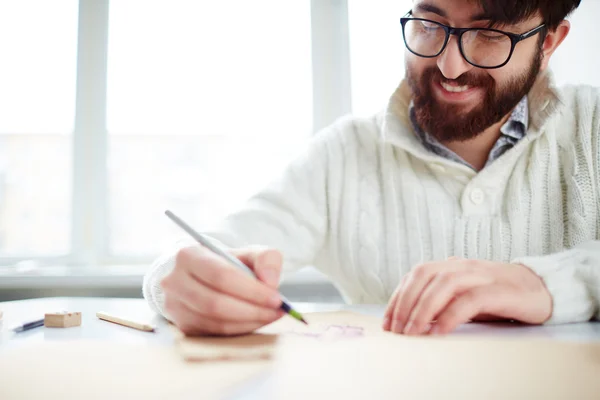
<point>205,101</point>
<point>38,44</point>
<point>181,104</point>
<point>376,52</point>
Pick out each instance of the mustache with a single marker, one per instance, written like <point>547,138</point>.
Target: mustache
<point>467,79</point>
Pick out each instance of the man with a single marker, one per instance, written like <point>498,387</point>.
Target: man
<point>475,195</point>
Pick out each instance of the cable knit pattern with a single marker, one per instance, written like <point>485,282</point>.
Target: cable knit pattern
<point>365,202</point>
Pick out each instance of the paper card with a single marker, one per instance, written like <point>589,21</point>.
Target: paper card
<point>328,326</point>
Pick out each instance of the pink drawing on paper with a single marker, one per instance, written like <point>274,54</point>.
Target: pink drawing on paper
<point>333,332</point>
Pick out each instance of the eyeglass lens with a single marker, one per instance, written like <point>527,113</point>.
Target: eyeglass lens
<point>482,47</point>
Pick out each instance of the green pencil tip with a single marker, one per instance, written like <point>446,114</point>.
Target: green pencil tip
<point>298,316</point>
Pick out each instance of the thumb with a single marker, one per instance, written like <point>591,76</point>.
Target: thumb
<point>266,263</point>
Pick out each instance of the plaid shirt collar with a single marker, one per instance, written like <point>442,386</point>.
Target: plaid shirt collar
<point>511,132</point>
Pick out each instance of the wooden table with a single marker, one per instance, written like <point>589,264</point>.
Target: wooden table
<point>108,335</point>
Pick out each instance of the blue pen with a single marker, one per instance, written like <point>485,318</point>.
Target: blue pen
<point>29,325</point>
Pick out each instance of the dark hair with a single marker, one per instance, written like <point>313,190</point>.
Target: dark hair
<point>553,12</point>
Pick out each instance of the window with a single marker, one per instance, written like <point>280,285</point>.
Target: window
<point>37,104</point>
<point>181,104</point>
<point>376,52</point>
<point>204,100</point>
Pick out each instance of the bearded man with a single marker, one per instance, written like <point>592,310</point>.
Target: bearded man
<point>474,195</point>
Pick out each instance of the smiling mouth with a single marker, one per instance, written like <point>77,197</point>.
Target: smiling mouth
<point>455,88</point>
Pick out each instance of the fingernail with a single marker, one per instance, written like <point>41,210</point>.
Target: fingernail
<point>277,314</point>
<point>386,324</point>
<point>409,326</point>
<point>275,300</point>
<point>397,327</point>
<point>270,259</point>
<point>271,277</point>
<point>435,330</point>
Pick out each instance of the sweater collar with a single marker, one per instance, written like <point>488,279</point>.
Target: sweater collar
<point>544,101</point>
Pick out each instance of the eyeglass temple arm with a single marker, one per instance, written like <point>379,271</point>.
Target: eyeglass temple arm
<point>532,32</point>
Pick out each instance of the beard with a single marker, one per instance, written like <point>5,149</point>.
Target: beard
<point>449,122</point>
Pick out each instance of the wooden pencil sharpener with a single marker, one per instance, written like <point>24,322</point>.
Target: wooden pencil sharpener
<point>62,319</point>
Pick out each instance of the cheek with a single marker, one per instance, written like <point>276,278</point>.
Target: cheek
<point>505,75</point>
<point>517,67</point>
<point>501,75</point>
<point>522,57</point>
<point>417,65</point>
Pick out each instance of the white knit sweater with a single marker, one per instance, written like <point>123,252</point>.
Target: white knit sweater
<point>365,203</point>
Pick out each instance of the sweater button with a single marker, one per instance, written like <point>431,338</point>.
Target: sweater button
<point>477,196</point>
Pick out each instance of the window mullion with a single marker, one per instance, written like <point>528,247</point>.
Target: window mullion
<point>331,61</point>
<point>89,221</point>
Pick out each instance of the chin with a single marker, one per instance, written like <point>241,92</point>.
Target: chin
<point>451,109</point>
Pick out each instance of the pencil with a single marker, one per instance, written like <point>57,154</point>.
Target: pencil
<point>125,322</point>
<point>285,304</point>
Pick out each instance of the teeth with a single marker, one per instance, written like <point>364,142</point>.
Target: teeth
<point>454,89</point>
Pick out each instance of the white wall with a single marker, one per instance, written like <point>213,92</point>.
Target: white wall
<point>577,60</point>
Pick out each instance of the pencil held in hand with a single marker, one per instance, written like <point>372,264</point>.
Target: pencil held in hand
<point>285,304</point>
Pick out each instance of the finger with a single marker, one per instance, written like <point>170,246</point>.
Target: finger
<point>463,309</point>
<point>217,305</point>
<point>193,324</point>
<point>438,294</point>
<point>416,282</point>
<point>215,272</point>
<point>389,312</point>
<point>388,316</point>
<point>265,262</point>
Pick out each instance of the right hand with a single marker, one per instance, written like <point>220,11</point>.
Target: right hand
<point>205,295</point>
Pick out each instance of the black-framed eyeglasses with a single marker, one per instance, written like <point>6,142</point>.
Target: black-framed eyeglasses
<point>481,47</point>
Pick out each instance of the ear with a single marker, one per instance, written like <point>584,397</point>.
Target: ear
<point>553,40</point>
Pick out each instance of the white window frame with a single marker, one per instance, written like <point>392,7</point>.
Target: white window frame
<point>89,221</point>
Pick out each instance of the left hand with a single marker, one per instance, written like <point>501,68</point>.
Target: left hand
<point>457,291</point>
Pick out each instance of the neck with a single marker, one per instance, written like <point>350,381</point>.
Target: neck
<point>475,151</point>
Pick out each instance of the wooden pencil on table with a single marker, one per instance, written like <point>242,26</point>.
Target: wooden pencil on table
<point>125,322</point>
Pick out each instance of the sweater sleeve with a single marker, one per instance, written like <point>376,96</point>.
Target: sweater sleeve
<point>290,215</point>
<point>573,276</point>
<point>573,279</point>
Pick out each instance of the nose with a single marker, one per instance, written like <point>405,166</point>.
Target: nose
<point>451,62</point>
